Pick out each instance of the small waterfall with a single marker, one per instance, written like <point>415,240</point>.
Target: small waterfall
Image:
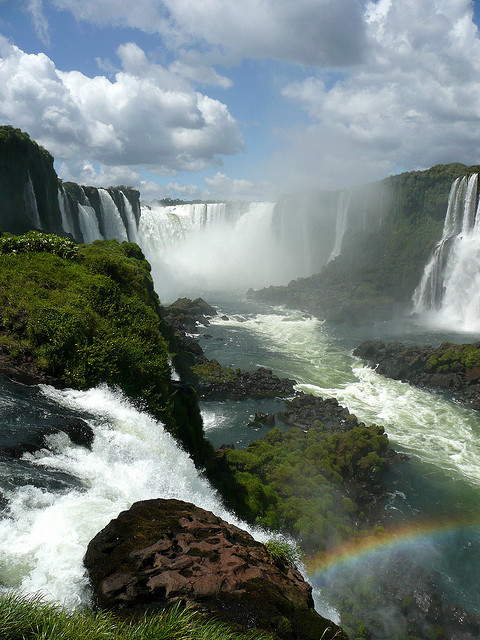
<point>88,223</point>
<point>30,201</point>
<point>65,212</point>
<point>112,220</point>
<point>448,294</point>
<point>341,224</point>
<point>130,217</point>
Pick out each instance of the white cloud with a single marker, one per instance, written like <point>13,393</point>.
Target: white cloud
<point>223,187</point>
<point>35,9</point>
<point>146,116</point>
<point>85,172</point>
<point>319,32</point>
<point>414,102</point>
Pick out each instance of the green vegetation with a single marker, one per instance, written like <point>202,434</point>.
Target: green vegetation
<point>93,317</point>
<point>454,358</point>
<point>212,371</point>
<point>292,482</point>
<point>24,618</point>
<point>34,241</point>
<point>283,550</point>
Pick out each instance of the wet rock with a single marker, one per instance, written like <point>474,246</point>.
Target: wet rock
<point>305,410</point>
<point>262,420</point>
<point>439,368</point>
<point>160,552</point>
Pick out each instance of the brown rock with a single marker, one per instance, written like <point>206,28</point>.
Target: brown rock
<point>165,551</point>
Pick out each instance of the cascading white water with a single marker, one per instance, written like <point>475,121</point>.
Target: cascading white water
<point>30,201</point>
<point>44,537</point>
<point>112,220</point>
<point>88,223</point>
<point>449,292</point>
<point>130,216</point>
<point>211,246</point>
<point>341,224</point>
<point>65,211</point>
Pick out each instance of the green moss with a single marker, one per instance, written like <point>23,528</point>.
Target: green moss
<point>212,371</point>
<point>93,317</point>
<point>452,358</point>
<point>292,481</point>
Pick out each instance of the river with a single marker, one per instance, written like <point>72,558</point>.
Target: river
<point>57,498</point>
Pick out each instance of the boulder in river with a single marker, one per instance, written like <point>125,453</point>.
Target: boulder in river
<point>160,552</point>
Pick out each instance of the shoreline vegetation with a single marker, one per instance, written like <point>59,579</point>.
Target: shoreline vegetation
<point>78,315</point>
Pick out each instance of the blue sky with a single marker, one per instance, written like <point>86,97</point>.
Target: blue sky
<point>221,99</point>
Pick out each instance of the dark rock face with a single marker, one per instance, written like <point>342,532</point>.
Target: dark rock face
<point>209,378</point>
<point>413,364</point>
<point>261,383</point>
<point>28,184</point>
<point>164,551</point>
<point>303,410</point>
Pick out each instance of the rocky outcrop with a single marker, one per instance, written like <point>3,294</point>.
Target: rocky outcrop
<point>160,552</point>
<point>449,368</point>
<point>217,382</point>
<point>305,410</point>
<point>210,379</point>
<point>28,184</point>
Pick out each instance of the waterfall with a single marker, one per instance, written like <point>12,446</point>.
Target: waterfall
<point>131,226</point>
<point>448,294</point>
<point>341,224</point>
<point>30,201</point>
<point>88,223</point>
<point>112,220</point>
<point>65,212</point>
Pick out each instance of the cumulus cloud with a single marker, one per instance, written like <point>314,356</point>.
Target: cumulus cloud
<point>85,172</point>
<point>146,116</point>
<point>414,102</point>
<point>223,187</point>
<point>318,32</point>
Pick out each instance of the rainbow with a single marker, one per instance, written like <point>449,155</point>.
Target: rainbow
<point>378,542</point>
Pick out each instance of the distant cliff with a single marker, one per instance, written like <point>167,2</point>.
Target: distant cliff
<point>33,197</point>
<point>28,185</point>
<point>378,264</point>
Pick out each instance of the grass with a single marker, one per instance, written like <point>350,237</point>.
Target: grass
<point>32,618</point>
<point>282,549</point>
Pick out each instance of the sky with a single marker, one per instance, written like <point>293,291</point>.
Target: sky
<point>242,99</point>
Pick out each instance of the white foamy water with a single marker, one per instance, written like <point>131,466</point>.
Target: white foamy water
<point>44,539</point>
<point>424,423</point>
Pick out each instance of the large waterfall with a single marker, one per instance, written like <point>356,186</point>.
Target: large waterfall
<point>214,245</point>
<point>206,246</point>
<point>449,292</point>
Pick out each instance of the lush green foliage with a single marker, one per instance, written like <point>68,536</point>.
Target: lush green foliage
<point>284,550</point>
<point>24,618</point>
<point>212,371</point>
<point>87,321</point>
<point>35,241</point>
<point>292,482</point>
<point>454,358</point>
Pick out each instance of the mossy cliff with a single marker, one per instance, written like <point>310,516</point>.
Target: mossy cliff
<point>382,260</point>
<point>91,317</point>
<point>28,184</point>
